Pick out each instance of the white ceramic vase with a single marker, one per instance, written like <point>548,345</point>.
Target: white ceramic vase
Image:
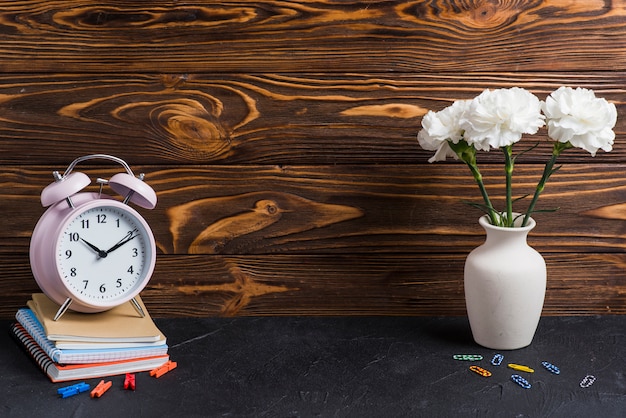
<point>505,286</point>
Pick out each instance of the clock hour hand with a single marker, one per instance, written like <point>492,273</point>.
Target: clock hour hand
<point>123,241</point>
<point>101,253</point>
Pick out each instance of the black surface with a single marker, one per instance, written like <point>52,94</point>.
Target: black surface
<point>345,367</point>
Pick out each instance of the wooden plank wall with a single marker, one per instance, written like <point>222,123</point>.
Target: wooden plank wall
<point>288,129</point>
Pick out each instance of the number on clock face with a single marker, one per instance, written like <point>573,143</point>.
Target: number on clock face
<point>102,252</point>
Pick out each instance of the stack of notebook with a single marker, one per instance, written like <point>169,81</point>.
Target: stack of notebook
<point>82,346</point>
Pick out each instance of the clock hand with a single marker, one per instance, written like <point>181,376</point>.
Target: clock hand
<point>101,253</point>
<point>123,241</point>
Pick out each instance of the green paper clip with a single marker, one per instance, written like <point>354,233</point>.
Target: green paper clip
<point>468,357</point>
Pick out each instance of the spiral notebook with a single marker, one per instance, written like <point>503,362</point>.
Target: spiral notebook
<point>31,324</point>
<point>60,373</point>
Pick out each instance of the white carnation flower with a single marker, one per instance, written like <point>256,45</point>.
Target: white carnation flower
<point>577,116</point>
<point>441,127</point>
<point>498,118</point>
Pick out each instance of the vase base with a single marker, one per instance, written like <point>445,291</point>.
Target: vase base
<point>496,345</point>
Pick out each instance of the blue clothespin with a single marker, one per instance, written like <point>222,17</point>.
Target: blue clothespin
<point>72,390</point>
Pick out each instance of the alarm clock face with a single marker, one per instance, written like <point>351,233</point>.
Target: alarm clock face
<point>104,253</point>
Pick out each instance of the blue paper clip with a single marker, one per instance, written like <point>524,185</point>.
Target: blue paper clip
<point>520,381</point>
<point>587,381</point>
<point>550,367</point>
<point>468,357</point>
<point>497,359</point>
<point>72,390</point>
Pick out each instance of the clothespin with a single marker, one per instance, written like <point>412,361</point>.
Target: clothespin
<point>129,381</point>
<point>161,370</point>
<point>101,388</point>
<point>72,390</point>
<point>521,368</point>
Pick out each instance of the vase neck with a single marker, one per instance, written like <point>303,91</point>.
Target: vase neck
<point>500,234</point>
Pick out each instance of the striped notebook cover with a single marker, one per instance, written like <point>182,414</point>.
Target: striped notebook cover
<point>28,320</point>
<point>62,373</point>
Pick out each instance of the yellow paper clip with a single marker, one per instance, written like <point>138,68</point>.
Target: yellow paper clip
<point>521,368</point>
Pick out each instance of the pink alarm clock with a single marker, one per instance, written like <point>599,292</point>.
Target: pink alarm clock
<point>90,252</point>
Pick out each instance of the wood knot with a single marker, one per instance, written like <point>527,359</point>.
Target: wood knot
<point>268,207</point>
<point>490,14</point>
<point>174,81</point>
<point>192,128</point>
<point>470,14</point>
<point>485,11</point>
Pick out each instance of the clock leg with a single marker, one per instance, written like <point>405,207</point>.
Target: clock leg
<point>137,307</point>
<point>63,308</point>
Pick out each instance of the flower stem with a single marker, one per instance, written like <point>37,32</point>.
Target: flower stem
<point>548,170</point>
<point>483,191</point>
<point>467,154</point>
<point>508,170</point>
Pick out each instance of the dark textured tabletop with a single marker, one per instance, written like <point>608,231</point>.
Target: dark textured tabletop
<point>345,367</point>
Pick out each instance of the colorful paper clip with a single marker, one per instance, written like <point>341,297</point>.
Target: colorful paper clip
<point>467,357</point>
<point>100,388</point>
<point>161,370</point>
<point>497,359</point>
<point>480,371</point>
<point>520,381</point>
<point>521,368</point>
<point>587,381</point>
<point>129,381</point>
<point>72,390</point>
<point>550,367</point>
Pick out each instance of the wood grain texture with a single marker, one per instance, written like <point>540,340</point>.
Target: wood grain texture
<point>343,209</point>
<point>326,36</point>
<point>384,284</point>
<point>390,244</point>
<point>280,138</point>
<point>256,118</point>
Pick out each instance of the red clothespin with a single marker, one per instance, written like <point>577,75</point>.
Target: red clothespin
<point>101,388</point>
<point>129,381</point>
<point>161,370</point>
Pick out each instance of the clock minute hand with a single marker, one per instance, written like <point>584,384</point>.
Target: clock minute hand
<point>101,253</point>
<point>123,241</point>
